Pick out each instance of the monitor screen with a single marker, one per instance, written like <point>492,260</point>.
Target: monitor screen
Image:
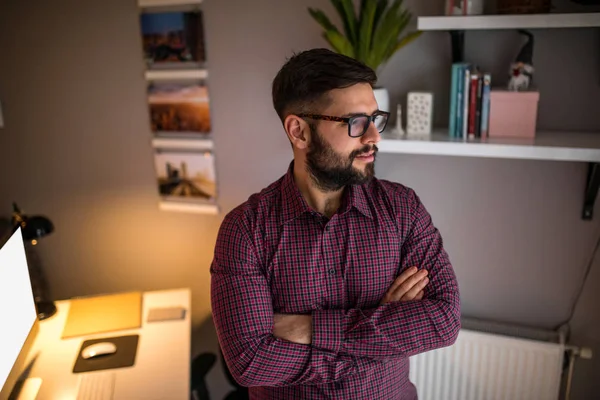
<point>17,307</point>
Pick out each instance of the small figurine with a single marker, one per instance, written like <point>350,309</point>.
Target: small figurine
<point>521,71</point>
<point>399,129</point>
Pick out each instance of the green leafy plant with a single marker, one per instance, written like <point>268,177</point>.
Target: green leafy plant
<point>371,36</point>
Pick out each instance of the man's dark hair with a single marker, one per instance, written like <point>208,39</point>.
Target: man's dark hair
<point>306,77</point>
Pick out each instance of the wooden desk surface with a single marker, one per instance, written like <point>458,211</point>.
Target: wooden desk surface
<point>162,366</point>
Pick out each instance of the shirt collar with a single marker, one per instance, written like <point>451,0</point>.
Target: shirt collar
<point>357,198</point>
<point>294,204</point>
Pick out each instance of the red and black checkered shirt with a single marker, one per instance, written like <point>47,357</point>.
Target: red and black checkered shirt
<point>276,255</point>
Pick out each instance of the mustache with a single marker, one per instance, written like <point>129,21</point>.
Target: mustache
<point>364,150</point>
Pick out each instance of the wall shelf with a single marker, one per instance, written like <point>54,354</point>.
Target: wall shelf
<point>194,208</point>
<point>167,3</point>
<point>550,146</point>
<point>457,25</point>
<point>555,146</point>
<point>179,144</point>
<point>487,22</point>
<point>176,74</point>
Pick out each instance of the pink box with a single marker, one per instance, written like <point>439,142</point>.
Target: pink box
<point>513,114</point>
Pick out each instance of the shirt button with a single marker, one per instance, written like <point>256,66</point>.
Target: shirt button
<point>332,271</point>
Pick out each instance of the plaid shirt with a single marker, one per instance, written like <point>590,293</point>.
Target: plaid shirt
<point>276,255</point>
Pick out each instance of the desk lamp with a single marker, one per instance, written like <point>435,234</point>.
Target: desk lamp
<point>34,228</point>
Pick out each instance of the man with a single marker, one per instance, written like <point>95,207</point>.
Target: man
<point>325,282</point>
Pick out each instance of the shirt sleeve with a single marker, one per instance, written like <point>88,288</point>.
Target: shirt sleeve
<point>243,317</point>
<point>404,328</point>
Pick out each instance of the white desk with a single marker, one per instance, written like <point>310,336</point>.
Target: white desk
<point>162,365</point>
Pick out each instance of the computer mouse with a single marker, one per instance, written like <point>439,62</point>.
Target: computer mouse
<point>98,349</point>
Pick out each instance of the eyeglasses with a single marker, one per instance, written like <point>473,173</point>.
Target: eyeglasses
<point>357,124</point>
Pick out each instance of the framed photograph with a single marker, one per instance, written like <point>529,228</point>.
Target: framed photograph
<point>173,38</point>
<point>186,175</point>
<point>179,107</point>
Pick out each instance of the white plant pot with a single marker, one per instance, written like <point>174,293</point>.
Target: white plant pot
<point>382,97</point>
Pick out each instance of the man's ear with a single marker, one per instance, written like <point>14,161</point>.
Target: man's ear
<point>298,131</point>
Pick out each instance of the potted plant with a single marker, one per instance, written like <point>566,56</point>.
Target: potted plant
<point>372,36</point>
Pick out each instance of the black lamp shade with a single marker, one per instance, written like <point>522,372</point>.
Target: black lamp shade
<point>36,227</point>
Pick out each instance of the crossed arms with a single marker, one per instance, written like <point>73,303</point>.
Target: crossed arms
<point>420,312</point>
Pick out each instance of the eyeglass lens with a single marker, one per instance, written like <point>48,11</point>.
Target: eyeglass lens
<point>360,124</point>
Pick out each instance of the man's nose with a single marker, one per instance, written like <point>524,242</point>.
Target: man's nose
<point>372,135</point>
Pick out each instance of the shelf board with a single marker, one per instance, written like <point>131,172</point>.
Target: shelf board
<point>556,146</point>
<point>182,144</point>
<point>211,209</point>
<point>176,74</point>
<point>531,21</point>
<point>167,3</point>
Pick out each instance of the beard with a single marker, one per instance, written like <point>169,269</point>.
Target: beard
<point>331,171</point>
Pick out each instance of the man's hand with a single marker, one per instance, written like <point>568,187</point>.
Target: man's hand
<point>293,328</point>
<point>408,286</point>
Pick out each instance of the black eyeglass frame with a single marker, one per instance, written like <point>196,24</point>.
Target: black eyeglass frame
<point>349,120</point>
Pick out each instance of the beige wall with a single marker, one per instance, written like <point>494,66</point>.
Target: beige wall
<point>76,148</point>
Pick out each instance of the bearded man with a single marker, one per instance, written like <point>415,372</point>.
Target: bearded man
<point>328,280</point>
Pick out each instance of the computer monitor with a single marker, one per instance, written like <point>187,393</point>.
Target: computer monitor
<point>18,317</point>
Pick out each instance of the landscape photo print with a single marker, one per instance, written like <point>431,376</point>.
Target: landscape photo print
<point>178,107</point>
<point>186,175</point>
<point>171,38</point>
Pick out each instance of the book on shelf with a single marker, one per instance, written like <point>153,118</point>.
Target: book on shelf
<point>469,102</point>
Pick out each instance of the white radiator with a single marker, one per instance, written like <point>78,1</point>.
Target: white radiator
<point>484,366</point>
